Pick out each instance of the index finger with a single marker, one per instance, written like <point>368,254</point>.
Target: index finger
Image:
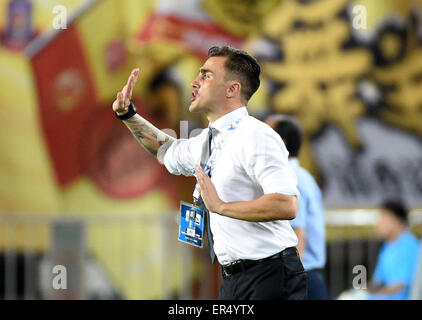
<point>198,169</point>
<point>202,175</point>
<point>131,83</point>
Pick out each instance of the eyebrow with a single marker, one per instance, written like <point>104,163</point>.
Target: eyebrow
<point>202,70</point>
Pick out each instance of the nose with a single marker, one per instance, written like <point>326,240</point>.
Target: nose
<point>195,83</point>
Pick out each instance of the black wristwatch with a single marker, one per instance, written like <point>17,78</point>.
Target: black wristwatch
<point>131,112</point>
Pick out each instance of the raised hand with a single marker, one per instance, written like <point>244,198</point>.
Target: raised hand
<point>121,104</point>
<point>152,139</point>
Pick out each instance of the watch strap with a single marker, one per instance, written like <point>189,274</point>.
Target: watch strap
<point>130,113</point>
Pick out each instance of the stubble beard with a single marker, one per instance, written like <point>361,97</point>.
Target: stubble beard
<point>194,107</point>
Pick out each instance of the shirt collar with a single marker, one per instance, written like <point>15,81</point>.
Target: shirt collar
<point>294,161</point>
<point>224,122</point>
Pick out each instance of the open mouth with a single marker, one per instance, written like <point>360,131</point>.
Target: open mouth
<point>194,95</point>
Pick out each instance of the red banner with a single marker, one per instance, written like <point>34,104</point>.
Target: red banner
<point>66,95</point>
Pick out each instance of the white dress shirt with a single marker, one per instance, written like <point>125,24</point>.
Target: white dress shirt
<point>251,161</point>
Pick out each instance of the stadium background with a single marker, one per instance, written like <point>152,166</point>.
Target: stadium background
<point>65,162</point>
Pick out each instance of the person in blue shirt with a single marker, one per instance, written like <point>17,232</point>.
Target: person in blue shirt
<point>398,256</point>
<point>309,223</point>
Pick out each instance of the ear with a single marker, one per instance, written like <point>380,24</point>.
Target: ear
<point>233,89</point>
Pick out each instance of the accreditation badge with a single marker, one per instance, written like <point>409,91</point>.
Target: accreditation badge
<point>191,227</point>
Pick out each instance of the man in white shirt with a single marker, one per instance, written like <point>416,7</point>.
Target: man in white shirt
<point>244,180</point>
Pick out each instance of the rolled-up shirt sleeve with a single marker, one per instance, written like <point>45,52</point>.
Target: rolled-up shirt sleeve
<point>182,155</point>
<point>266,160</point>
<point>301,216</point>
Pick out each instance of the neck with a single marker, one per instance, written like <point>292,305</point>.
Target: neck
<point>215,115</point>
<point>396,233</point>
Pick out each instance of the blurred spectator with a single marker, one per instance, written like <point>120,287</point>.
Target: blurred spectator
<point>416,287</point>
<point>398,257</point>
<point>309,223</point>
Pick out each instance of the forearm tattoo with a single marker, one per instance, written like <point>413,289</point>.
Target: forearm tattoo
<point>147,135</point>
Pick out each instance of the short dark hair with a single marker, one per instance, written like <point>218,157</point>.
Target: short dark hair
<point>289,130</point>
<point>397,208</point>
<point>241,64</point>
